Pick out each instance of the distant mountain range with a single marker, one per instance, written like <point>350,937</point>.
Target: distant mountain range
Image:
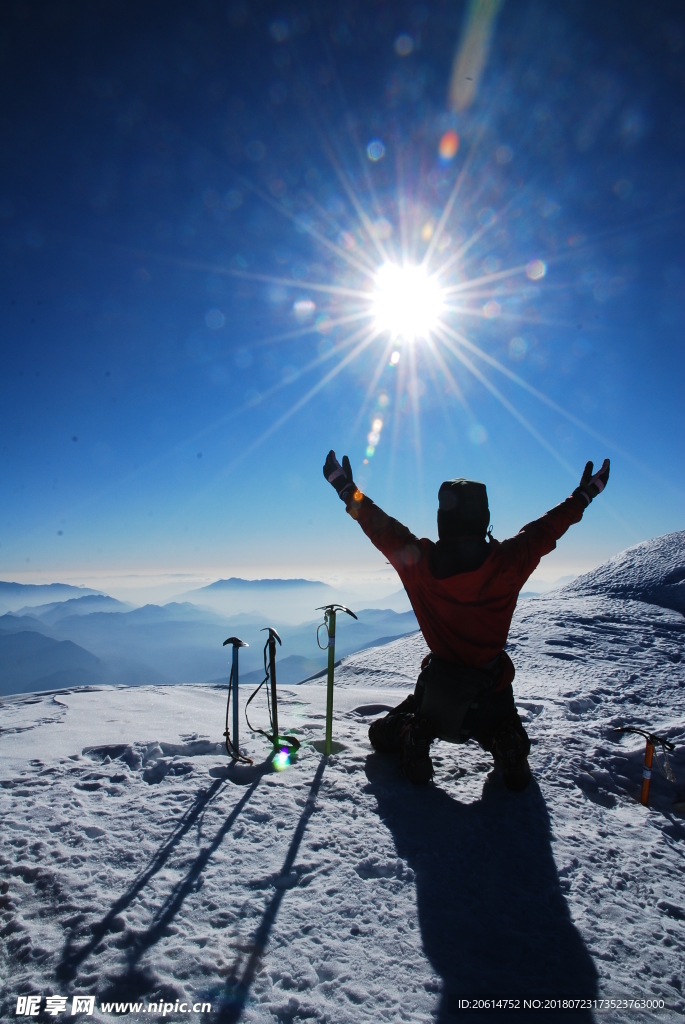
<point>290,600</point>
<point>31,661</point>
<point>235,583</point>
<point>16,595</point>
<point>95,639</point>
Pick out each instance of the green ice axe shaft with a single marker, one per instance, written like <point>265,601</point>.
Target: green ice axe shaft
<point>330,611</point>
<point>330,623</point>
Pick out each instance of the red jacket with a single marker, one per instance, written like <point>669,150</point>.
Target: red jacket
<point>465,618</point>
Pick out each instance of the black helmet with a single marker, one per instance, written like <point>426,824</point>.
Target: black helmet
<point>462,509</point>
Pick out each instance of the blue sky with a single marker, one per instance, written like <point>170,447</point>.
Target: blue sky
<point>186,189</point>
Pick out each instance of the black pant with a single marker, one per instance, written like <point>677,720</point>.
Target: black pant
<point>462,703</point>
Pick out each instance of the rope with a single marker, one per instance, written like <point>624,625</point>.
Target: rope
<point>232,751</point>
<point>289,741</point>
<point>656,741</point>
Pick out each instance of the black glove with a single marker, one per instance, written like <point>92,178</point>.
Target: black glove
<point>590,486</point>
<point>339,476</point>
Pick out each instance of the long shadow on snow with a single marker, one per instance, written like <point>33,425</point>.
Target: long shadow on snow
<point>72,957</point>
<point>231,1001</point>
<point>493,918</point>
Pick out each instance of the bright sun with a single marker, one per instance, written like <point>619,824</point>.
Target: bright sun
<point>406,301</point>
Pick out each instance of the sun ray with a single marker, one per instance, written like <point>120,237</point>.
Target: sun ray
<point>301,332</point>
<point>416,419</point>
<point>433,365</point>
<point>402,205</point>
<point>350,357</point>
<point>542,397</point>
<point>364,218</point>
<point>477,235</point>
<point>439,359</point>
<point>475,282</point>
<point>304,225</point>
<point>396,423</point>
<point>505,403</point>
<point>449,205</point>
<point>276,426</point>
<point>381,365</point>
<point>248,275</point>
<point>504,314</point>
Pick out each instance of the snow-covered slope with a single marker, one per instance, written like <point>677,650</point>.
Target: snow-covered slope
<point>653,571</point>
<point>142,866</point>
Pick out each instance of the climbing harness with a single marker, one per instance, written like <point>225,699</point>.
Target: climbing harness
<point>285,744</point>
<point>232,747</point>
<point>329,612</point>
<point>652,741</point>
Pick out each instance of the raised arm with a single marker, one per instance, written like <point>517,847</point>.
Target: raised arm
<point>395,541</point>
<point>538,538</point>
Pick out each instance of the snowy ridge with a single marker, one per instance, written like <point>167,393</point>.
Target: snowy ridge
<point>653,571</point>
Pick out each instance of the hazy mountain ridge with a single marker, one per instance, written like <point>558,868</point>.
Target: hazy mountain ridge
<point>236,583</point>
<point>183,642</point>
<point>32,661</point>
<point>14,595</point>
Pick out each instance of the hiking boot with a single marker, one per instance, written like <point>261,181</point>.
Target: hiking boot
<point>415,739</point>
<point>517,778</point>
<point>384,733</point>
<point>510,748</point>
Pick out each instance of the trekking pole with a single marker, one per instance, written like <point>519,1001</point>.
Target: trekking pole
<point>330,611</point>
<point>233,685</point>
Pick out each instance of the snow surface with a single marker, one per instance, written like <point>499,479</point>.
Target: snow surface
<point>653,571</point>
<point>141,865</point>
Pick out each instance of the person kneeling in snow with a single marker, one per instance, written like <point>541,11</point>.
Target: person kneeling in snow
<point>463,590</point>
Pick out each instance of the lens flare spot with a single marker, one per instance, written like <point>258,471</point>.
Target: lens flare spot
<point>427,231</point>
<point>477,434</point>
<point>536,269</point>
<point>404,45</point>
<point>448,146</point>
<point>377,425</point>
<point>383,400</point>
<point>491,309</point>
<point>347,240</point>
<point>407,302</point>
<point>517,348</point>
<point>282,759</point>
<point>303,309</point>
<point>369,451</point>
<point>215,319</point>
<point>375,150</point>
<point>382,229</point>
<point>394,359</point>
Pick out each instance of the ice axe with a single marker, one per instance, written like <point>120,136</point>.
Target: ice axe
<point>330,611</point>
<point>283,744</point>
<point>651,741</point>
<point>232,745</point>
<point>271,644</point>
